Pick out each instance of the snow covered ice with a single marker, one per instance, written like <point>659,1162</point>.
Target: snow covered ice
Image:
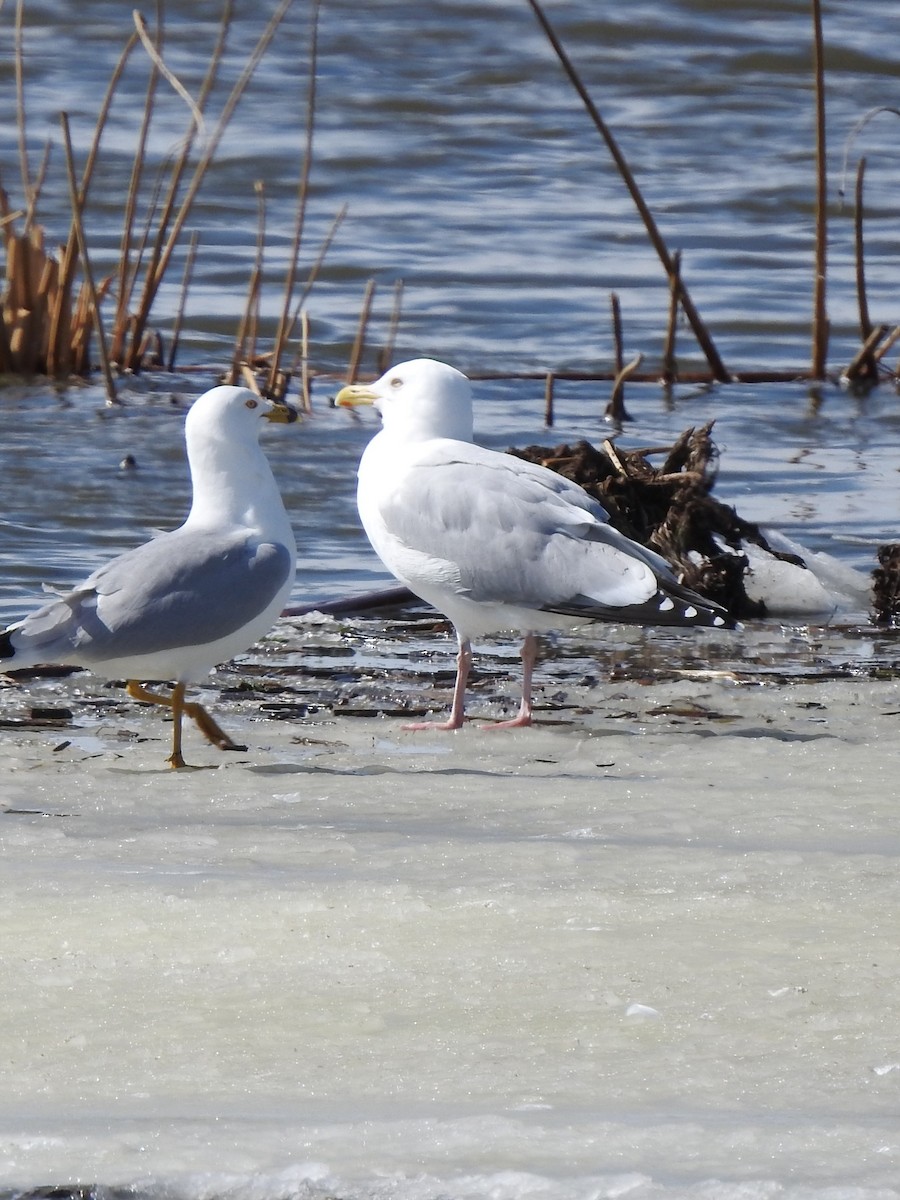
<point>650,952</point>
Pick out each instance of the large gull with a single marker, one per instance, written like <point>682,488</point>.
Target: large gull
<point>175,607</point>
<point>492,541</point>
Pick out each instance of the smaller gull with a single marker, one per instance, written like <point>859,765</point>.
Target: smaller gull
<point>492,541</point>
<point>175,607</point>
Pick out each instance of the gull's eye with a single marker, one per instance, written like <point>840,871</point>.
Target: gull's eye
<point>251,403</point>
<point>396,382</point>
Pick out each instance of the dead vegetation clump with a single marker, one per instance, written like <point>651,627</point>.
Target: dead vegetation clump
<point>669,508</point>
<point>886,586</point>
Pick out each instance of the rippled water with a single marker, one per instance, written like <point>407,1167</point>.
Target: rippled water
<point>473,174</point>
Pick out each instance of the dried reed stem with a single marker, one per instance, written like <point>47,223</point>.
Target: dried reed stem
<point>385,358</point>
<point>863,367</point>
<point>59,354</point>
<point>360,340</point>
<point>891,340</point>
<point>316,267</point>
<point>615,409</point>
<point>136,325</point>
<point>285,323</point>
<point>173,220</point>
<point>185,286</point>
<point>548,399</point>
<point>618,351</point>
<point>669,368</point>
<point>250,319</point>
<point>93,298</point>
<point>690,311</point>
<point>24,168</point>
<point>820,313</point>
<point>126,276</point>
<point>865,324</point>
<point>305,383</point>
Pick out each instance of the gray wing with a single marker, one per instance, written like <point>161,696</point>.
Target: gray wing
<point>180,589</point>
<point>516,533</point>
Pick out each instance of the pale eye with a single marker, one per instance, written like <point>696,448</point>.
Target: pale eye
<point>396,382</point>
<point>251,403</point>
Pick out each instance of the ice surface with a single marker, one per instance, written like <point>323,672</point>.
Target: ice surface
<point>647,952</point>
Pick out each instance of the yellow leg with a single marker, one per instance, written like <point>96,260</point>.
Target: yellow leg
<point>176,701</point>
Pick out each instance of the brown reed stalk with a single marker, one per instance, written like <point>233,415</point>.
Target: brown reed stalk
<point>132,326</point>
<point>173,222</point>
<point>820,331</point>
<point>618,350</point>
<point>386,355</point>
<point>185,286</point>
<point>615,409</point>
<point>247,329</point>
<point>669,367</point>
<point>37,184</point>
<point>305,382</point>
<point>125,276</point>
<point>891,340</point>
<point>24,168</point>
<point>697,324</point>
<point>359,342</point>
<point>549,383</point>
<point>285,322</point>
<point>76,203</point>
<point>863,367</point>
<point>59,359</point>
<point>314,272</point>
<point>865,324</point>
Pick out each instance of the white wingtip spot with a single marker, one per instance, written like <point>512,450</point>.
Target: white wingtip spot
<point>718,621</point>
<point>665,604</point>
<point>690,612</point>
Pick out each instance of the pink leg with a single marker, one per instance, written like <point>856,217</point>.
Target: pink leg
<point>457,710</point>
<point>524,715</point>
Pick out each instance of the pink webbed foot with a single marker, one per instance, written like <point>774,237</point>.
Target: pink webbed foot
<point>443,726</point>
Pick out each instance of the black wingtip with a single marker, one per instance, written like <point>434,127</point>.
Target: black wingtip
<point>691,610</point>
<point>670,605</point>
<point>7,649</point>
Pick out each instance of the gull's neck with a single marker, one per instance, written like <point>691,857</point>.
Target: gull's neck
<point>234,486</point>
